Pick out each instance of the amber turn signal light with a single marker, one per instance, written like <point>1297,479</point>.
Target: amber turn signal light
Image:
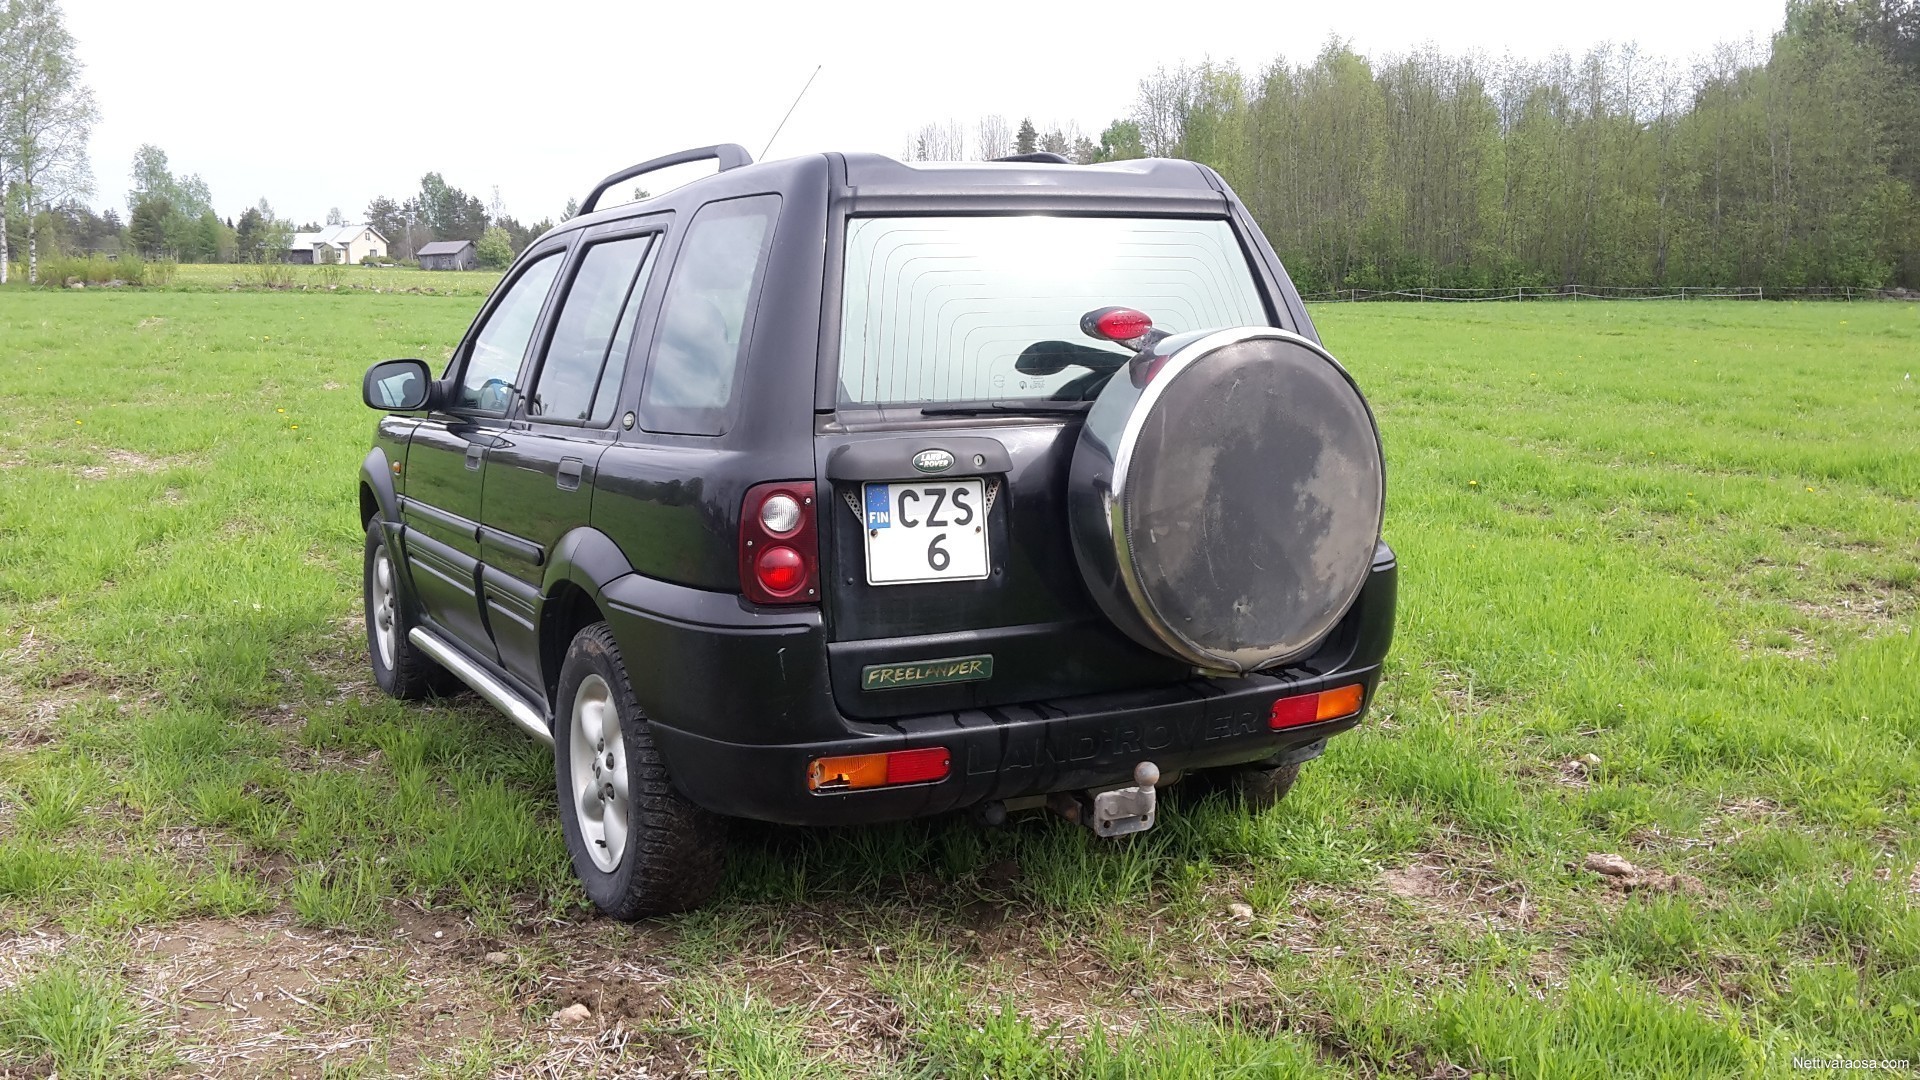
<point>1333,704</point>
<point>855,771</point>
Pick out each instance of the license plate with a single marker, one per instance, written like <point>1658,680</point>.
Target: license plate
<point>926,531</point>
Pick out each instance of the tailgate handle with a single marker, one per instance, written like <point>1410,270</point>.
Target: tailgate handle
<point>568,478</point>
<point>893,459</point>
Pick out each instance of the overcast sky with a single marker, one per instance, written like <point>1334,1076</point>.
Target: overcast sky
<point>321,105</point>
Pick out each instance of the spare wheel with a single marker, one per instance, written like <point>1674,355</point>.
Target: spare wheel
<point>1226,499</point>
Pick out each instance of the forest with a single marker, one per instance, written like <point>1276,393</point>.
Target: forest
<point>1793,163</point>
<point>1789,163</point>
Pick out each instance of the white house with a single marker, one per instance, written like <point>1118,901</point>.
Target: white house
<point>345,243</point>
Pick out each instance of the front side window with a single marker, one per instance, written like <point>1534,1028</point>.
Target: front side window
<point>939,309</point>
<point>494,362</point>
<point>706,317</point>
<point>581,373</point>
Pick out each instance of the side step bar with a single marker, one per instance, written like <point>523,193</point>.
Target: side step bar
<point>516,707</point>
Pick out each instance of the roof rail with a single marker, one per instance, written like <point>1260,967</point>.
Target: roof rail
<point>730,156</point>
<point>1042,158</point>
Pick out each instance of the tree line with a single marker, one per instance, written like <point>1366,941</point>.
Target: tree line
<point>1792,163</point>
<point>1795,163</point>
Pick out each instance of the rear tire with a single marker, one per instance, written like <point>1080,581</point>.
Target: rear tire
<point>1261,787</point>
<point>1254,786</point>
<point>638,847</point>
<point>399,667</point>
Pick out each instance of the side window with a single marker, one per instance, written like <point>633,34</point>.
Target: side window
<point>494,362</point>
<point>581,373</point>
<point>706,318</point>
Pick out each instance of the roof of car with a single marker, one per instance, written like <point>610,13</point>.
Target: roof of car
<point>876,183</point>
<point>879,174</point>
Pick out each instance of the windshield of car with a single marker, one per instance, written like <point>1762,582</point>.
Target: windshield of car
<point>987,308</point>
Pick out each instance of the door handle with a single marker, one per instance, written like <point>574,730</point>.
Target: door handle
<point>568,478</point>
<point>476,452</point>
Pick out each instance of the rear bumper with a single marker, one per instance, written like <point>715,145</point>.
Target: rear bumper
<point>1007,752</point>
<point>741,702</point>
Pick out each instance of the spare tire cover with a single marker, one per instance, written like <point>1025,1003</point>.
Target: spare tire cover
<point>1226,497</point>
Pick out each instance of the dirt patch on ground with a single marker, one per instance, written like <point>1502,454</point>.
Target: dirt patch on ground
<point>24,952</point>
<point>1871,609</point>
<point>1791,642</point>
<point>27,719</point>
<point>118,462</point>
<point>1463,889</point>
<point>264,996</point>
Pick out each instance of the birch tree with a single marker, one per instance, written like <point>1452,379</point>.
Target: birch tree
<point>47,113</point>
<point>1793,162</point>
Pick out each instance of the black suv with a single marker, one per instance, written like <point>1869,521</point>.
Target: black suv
<point>839,489</point>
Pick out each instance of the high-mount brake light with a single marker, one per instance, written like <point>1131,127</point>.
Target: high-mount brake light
<point>779,549</point>
<point>1119,324</point>
<point>1335,704</point>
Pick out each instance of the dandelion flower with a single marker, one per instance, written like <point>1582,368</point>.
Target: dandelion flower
<point>1476,483</point>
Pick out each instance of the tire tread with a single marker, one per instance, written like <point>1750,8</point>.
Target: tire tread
<point>676,851</point>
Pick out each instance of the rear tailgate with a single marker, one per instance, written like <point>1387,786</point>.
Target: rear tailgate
<point>1026,631</point>
<point>975,319</point>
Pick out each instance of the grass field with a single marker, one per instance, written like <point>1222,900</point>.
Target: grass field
<point>399,279</point>
<point>1658,600</point>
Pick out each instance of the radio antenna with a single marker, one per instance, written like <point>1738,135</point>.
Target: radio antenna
<point>790,108</point>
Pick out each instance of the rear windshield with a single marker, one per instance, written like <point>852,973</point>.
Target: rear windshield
<point>943,309</point>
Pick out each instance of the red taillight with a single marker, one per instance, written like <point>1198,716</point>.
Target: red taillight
<point>917,766</point>
<point>856,771</point>
<point>1333,704</point>
<point>1116,324</point>
<point>780,570</point>
<point>779,567</point>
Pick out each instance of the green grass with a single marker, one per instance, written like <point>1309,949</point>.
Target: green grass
<point>1678,538</point>
<point>73,1020</point>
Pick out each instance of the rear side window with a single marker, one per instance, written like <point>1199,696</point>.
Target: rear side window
<point>707,316</point>
<point>937,309</point>
<point>585,357</point>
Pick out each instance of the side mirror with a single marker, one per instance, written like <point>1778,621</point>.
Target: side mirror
<point>398,386</point>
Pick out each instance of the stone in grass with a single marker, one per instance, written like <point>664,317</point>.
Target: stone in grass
<point>497,958</point>
<point>576,1013</point>
<point>1240,913</point>
<point>1621,874</point>
<point>1610,865</point>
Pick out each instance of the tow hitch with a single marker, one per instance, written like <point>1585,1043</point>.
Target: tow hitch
<point>1116,811</point>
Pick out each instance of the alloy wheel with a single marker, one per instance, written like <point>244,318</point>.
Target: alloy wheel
<point>599,758</point>
<point>385,630</point>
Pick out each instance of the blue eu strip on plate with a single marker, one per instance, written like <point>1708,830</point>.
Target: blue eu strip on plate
<point>879,506</point>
